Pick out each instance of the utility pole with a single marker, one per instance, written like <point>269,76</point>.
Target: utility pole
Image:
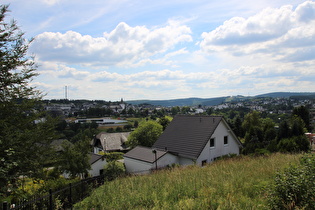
<point>154,151</point>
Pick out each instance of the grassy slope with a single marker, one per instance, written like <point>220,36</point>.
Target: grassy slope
<point>239,183</point>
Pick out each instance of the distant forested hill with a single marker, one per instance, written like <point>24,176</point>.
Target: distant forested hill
<point>220,100</point>
<point>182,102</point>
<point>287,94</point>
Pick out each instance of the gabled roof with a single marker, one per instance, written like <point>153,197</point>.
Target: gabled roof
<point>94,158</point>
<point>144,154</point>
<point>187,135</point>
<point>113,141</point>
<point>58,144</point>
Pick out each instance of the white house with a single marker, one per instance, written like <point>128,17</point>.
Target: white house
<point>97,163</point>
<point>189,140</point>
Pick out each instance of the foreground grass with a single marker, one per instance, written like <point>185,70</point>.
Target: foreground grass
<point>238,183</point>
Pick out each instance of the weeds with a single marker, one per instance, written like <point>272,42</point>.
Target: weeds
<point>234,183</point>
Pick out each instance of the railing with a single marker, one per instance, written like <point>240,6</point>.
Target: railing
<point>60,199</point>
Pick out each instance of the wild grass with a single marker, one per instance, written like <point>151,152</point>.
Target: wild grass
<point>237,183</point>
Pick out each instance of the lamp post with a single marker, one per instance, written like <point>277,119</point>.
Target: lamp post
<point>154,151</point>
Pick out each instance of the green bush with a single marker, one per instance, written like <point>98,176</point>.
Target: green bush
<point>287,145</point>
<point>113,156</point>
<point>295,187</point>
<point>113,170</point>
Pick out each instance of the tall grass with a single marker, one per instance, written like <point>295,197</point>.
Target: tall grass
<point>238,183</point>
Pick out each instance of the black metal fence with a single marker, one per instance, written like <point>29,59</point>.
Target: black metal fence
<point>60,199</point>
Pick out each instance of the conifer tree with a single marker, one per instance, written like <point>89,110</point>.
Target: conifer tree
<point>25,133</point>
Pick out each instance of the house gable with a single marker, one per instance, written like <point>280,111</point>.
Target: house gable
<point>225,142</point>
<point>188,135</point>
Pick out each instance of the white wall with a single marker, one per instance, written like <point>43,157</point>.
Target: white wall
<point>141,167</point>
<point>137,166</point>
<point>166,160</point>
<point>219,149</point>
<point>186,161</point>
<point>97,166</point>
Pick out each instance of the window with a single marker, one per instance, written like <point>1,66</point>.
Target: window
<point>203,163</point>
<point>226,140</point>
<point>212,142</point>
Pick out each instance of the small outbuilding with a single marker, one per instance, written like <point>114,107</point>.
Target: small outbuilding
<point>142,160</point>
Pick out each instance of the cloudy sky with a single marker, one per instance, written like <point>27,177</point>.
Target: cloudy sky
<point>144,49</point>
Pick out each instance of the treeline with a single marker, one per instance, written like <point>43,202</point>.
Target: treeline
<point>261,132</point>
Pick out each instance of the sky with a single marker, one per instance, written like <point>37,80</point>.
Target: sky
<point>157,50</point>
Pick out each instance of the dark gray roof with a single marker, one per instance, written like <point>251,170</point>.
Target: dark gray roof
<point>58,144</point>
<point>144,154</point>
<point>94,158</point>
<point>187,135</point>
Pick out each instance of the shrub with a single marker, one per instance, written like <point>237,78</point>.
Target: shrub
<point>287,145</point>
<point>295,187</point>
<point>114,170</point>
<point>113,156</point>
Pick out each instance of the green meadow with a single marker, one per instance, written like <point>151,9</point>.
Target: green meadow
<point>238,183</point>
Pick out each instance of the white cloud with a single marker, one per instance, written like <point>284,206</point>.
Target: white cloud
<point>280,33</point>
<point>124,45</point>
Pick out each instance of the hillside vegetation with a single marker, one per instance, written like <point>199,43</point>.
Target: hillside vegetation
<point>239,183</point>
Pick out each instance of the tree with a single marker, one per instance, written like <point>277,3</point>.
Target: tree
<point>304,114</point>
<point>24,144</point>
<point>164,121</point>
<point>252,124</point>
<point>146,134</point>
<point>175,110</point>
<point>74,159</point>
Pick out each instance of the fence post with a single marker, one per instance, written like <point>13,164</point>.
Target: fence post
<point>50,200</point>
<point>5,205</point>
<point>82,190</point>
<point>70,194</point>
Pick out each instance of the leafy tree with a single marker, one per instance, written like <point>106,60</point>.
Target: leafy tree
<point>74,160</point>
<point>164,121</point>
<point>130,111</point>
<point>136,124</point>
<point>297,126</point>
<point>175,110</point>
<point>284,130</point>
<point>146,134</point>
<point>185,110</point>
<point>269,130</point>
<point>237,127</point>
<point>24,144</point>
<point>304,114</point>
<point>252,124</point>
<point>259,132</point>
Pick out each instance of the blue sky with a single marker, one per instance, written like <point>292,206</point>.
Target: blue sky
<point>137,49</point>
